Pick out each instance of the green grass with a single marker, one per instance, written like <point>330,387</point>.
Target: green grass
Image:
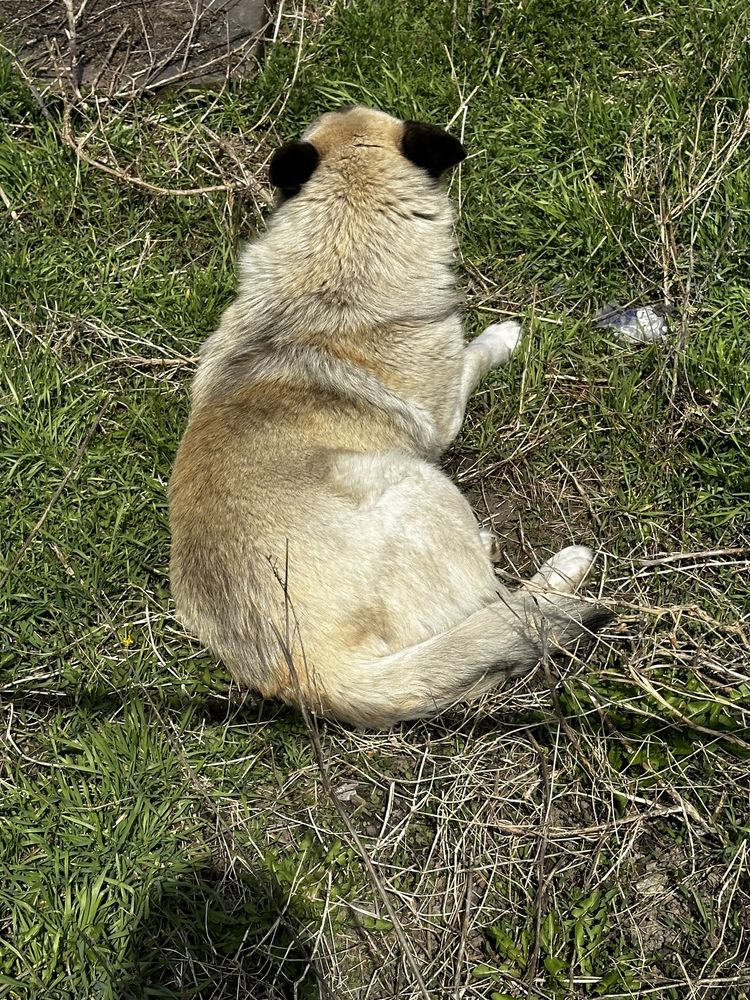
<point>161,835</point>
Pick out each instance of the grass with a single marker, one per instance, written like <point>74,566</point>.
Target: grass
<point>164,835</point>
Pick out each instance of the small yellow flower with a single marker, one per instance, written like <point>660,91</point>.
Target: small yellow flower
<point>127,640</point>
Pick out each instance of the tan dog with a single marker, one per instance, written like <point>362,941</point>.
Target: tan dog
<point>309,523</point>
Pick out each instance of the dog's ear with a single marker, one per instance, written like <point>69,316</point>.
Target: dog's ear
<point>431,148</point>
<point>293,165</point>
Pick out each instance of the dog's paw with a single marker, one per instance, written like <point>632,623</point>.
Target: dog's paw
<point>565,571</point>
<point>491,544</point>
<point>502,340</point>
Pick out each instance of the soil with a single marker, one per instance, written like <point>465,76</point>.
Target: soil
<point>134,45</point>
<point>532,518</point>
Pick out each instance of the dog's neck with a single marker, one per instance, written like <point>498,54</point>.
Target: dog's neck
<point>362,287</point>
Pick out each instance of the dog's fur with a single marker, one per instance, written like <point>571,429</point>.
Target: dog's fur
<point>309,523</point>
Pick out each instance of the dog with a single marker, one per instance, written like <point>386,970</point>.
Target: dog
<point>317,548</point>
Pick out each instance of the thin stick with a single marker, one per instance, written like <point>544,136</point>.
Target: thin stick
<point>122,175</point>
<point>20,68</point>
<point>73,47</point>
<point>108,57</point>
<point>196,17</point>
<point>706,554</point>
<point>343,814</point>
<point>541,882</point>
<point>565,833</point>
<point>464,933</point>
<point>136,359</point>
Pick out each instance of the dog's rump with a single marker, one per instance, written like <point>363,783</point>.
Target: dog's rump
<point>401,618</point>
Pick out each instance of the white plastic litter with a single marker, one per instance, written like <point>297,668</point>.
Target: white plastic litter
<point>636,325</point>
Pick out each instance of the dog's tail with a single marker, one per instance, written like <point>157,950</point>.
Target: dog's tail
<point>504,639</point>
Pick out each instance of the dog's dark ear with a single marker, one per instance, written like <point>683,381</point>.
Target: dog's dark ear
<point>293,165</point>
<point>431,148</point>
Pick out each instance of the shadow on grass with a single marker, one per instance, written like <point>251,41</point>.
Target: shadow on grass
<point>212,934</point>
<point>215,708</point>
<point>206,706</point>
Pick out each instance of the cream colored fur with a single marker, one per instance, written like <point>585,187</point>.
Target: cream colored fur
<point>308,519</point>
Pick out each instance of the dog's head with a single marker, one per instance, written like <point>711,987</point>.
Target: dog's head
<point>343,138</point>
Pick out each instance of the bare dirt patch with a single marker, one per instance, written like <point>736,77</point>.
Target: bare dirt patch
<point>137,45</point>
<point>532,517</point>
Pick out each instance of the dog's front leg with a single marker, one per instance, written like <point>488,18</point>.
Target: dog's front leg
<point>493,347</point>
